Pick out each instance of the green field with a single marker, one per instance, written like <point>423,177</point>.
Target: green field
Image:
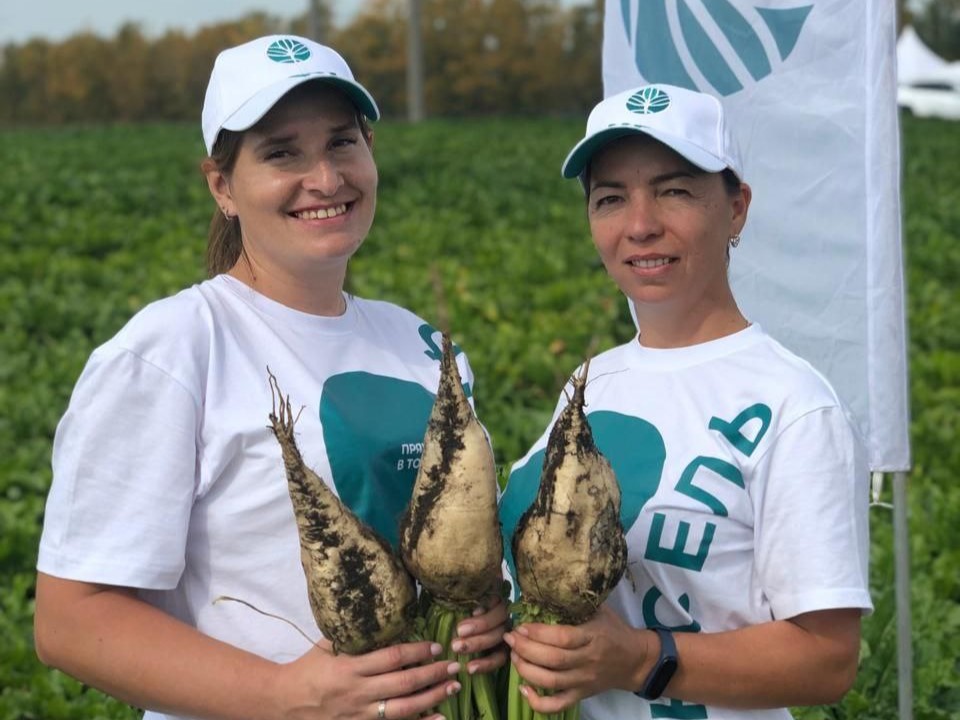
<point>97,222</point>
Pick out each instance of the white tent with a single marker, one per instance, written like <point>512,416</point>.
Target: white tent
<point>918,63</point>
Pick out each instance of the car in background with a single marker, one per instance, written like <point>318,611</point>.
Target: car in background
<point>930,98</point>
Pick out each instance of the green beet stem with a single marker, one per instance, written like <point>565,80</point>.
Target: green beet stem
<point>477,699</point>
<point>517,707</point>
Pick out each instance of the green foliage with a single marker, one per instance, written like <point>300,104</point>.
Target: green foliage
<point>474,228</point>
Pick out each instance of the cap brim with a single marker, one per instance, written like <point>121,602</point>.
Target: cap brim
<point>248,114</point>
<point>580,156</point>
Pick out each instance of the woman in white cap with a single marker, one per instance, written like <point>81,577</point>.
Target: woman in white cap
<point>169,490</point>
<point>744,485</point>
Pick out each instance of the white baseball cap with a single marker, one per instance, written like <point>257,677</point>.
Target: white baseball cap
<point>689,122</point>
<point>249,79</point>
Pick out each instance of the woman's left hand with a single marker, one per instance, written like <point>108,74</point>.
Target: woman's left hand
<point>483,633</point>
<point>573,662</point>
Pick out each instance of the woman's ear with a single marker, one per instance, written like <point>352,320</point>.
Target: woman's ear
<point>219,185</point>
<point>741,205</point>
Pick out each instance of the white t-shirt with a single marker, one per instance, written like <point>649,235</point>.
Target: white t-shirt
<point>744,494</point>
<point>166,477</point>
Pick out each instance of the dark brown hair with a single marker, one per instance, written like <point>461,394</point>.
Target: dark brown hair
<point>224,242</point>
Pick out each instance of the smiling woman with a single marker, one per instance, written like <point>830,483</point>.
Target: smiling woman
<point>641,191</point>
<point>304,183</point>
<point>743,483</point>
<point>146,526</point>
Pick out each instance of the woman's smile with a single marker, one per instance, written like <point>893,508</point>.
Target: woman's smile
<point>322,213</point>
<point>651,265</point>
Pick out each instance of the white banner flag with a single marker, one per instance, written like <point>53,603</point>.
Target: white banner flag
<point>810,90</point>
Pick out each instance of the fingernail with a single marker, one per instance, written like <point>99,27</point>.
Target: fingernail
<point>453,668</point>
<point>471,669</point>
<point>436,649</point>
<point>457,646</point>
<point>453,688</point>
<point>478,611</point>
<point>508,639</point>
<point>524,691</point>
<point>464,629</point>
<point>522,630</point>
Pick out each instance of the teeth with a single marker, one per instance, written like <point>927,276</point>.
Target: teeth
<point>659,262</point>
<point>322,213</point>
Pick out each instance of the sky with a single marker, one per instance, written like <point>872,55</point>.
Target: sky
<point>21,20</point>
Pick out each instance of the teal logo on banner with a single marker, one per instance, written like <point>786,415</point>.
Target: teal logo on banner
<point>714,41</point>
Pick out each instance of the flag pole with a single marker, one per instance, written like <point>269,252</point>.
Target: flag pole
<point>901,542</point>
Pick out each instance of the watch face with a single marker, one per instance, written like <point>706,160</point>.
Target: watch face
<point>660,677</point>
<point>664,668</point>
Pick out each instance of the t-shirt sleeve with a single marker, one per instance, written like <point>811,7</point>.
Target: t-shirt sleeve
<point>124,476</point>
<point>811,526</point>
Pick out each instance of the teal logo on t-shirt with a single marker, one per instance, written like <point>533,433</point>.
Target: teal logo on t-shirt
<point>373,427</point>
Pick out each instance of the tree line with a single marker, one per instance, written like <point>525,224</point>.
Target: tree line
<point>480,57</point>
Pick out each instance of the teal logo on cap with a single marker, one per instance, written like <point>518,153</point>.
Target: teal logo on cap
<point>718,36</point>
<point>648,101</point>
<point>288,50</point>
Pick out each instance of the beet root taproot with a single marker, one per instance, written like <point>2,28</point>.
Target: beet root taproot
<point>361,596</point>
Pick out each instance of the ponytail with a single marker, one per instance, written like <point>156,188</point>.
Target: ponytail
<point>224,244</point>
<point>224,241</point>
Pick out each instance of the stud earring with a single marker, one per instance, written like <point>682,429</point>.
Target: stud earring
<point>734,240</point>
<point>226,214</point>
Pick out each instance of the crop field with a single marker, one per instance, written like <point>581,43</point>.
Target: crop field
<point>473,223</point>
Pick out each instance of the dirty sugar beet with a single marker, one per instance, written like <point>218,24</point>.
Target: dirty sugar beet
<point>569,546</point>
<point>361,596</point>
<point>450,534</point>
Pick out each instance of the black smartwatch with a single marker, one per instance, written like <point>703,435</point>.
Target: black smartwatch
<point>663,669</point>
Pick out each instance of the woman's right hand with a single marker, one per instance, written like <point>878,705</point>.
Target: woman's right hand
<point>404,677</point>
<point>577,661</point>
<point>110,639</point>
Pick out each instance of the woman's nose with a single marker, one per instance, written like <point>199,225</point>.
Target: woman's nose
<point>324,177</point>
<point>643,220</point>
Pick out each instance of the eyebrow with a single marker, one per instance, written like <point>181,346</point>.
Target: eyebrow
<point>667,177</point>
<point>273,140</point>
<point>655,180</point>
<point>607,184</point>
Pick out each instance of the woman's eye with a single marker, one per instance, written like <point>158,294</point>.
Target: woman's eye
<point>278,154</point>
<point>344,142</point>
<point>606,200</point>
